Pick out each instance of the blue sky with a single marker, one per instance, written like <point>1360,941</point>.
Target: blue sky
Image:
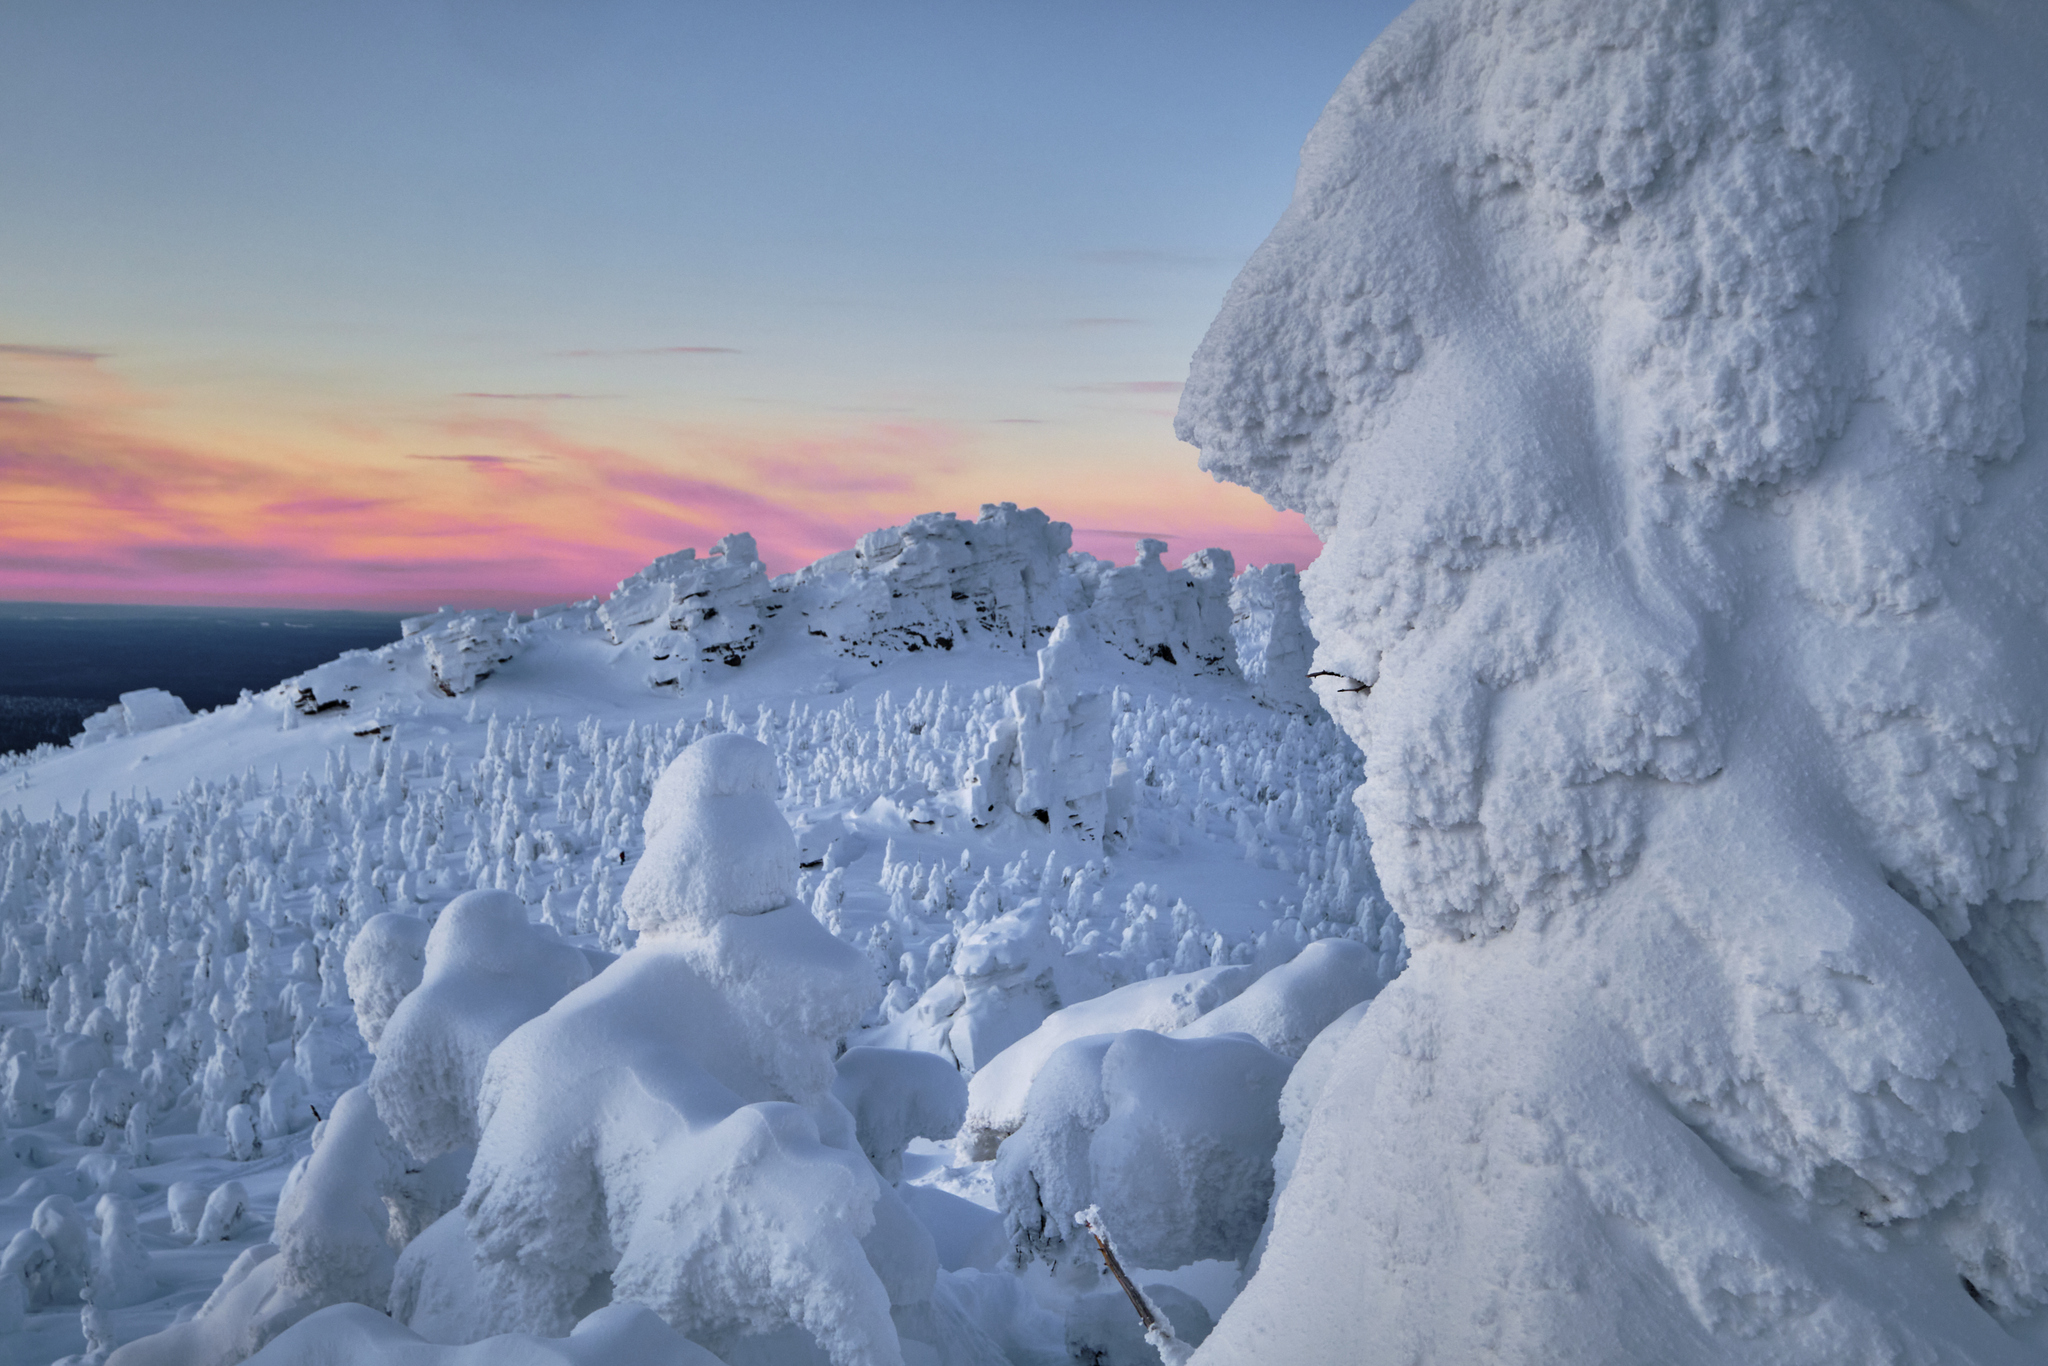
<point>331,239</point>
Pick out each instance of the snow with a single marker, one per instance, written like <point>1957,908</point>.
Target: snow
<point>136,712</point>
<point>996,1095</point>
<point>351,1335</point>
<point>896,1095</point>
<point>1173,1139</point>
<point>611,982</point>
<point>660,1123</point>
<point>1292,1005</point>
<point>488,970</point>
<point>1666,384</point>
<point>717,844</point>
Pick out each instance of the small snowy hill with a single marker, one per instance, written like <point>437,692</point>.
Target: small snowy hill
<point>1019,782</point>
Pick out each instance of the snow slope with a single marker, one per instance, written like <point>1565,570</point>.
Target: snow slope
<point>410,893</point>
<point>1668,382</point>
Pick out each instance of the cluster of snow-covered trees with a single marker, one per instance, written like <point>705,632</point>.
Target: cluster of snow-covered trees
<point>487,1013</point>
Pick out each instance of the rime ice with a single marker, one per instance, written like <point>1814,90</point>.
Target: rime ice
<point>1666,382</point>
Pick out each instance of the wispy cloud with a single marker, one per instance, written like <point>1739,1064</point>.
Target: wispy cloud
<point>15,398</point>
<point>1018,421</point>
<point>329,506</point>
<point>1132,386</point>
<point>658,351</point>
<point>70,353</point>
<point>526,398</point>
<point>207,559</point>
<point>485,461</point>
<point>1102,322</point>
<point>1149,258</point>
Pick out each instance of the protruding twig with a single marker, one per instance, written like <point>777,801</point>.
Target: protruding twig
<point>1091,1219</point>
<point>1158,1328</point>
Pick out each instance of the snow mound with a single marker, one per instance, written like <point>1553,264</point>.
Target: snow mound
<point>896,1095</point>
<point>488,970</point>
<point>717,843</point>
<point>351,1335</point>
<point>1292,1005</point>
<point>1172,1138</point>
<point>1660,379</point>
<point>668,1126</point>
<point>997,1095</point>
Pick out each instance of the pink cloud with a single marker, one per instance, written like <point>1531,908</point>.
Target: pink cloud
<point>326,506</point>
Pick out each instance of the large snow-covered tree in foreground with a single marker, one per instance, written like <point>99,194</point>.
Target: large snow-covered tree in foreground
<point>1669,382</point>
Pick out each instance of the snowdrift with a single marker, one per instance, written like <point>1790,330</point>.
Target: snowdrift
<point>1668,383</point>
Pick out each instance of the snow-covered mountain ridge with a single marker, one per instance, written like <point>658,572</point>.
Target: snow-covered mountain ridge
<point>1018,780</point>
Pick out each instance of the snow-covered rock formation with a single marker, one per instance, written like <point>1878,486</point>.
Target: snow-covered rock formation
<point>463,647</point>
<point>934,583</point>
<point>687,614</point>
<point>1669,383</point>
<point>143,710</point>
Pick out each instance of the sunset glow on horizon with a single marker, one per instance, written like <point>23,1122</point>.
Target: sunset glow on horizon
<point>110,498</point>
<point>489,305</point>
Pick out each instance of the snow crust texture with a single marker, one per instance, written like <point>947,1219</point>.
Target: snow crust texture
<point>1668,382</point>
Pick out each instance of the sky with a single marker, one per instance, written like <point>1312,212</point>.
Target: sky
<point>489,302</point>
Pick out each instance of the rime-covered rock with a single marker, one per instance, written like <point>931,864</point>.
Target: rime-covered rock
<point>688,614</point>
<point>146,709</point>
<point>1662,382</point>
<point>462,648</point>
<point>937,581</point>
